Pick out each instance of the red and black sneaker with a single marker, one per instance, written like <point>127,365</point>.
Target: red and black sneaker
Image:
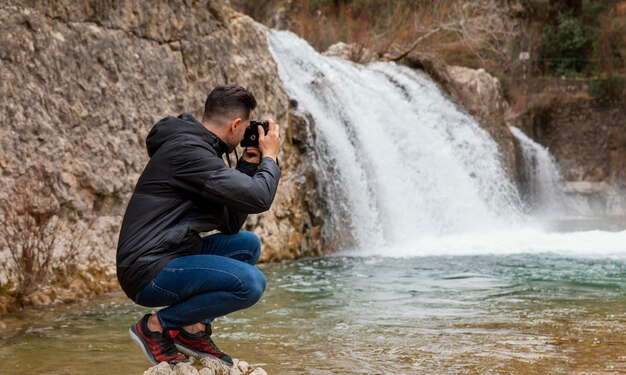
<point>158,347</point>
<point>200,345</point>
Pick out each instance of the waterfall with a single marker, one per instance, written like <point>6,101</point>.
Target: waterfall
<point>543,185</point>
<point>411,173</point>
<point>408,159</point>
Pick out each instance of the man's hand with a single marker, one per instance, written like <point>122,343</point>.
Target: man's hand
<point>252,155</point>
<point>269,144</point>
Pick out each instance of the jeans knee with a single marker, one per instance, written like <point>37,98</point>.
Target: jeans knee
<point>253,244</point>
<point>254,286</point>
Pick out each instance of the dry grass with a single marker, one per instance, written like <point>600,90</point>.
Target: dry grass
<point>482,33</point>
<point>31,232</point>
<point>464,33</point>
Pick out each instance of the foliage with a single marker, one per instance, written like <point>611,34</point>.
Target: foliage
<point>586,39</point>
<point>565,47</point>
<point>593,8</point>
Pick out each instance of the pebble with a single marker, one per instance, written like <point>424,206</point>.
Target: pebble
<point>243,366</point>
<point>210,366</point>
<point>185,369</point>
<point>215,365</point>
<point>161,369</point>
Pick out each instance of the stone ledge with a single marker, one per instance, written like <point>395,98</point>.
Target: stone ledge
<point>585,187</point>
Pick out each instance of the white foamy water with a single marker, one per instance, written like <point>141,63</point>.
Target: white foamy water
<point>544,181</point>
<point>523,240</point>
<point>419,176</point>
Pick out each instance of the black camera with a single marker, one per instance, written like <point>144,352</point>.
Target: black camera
<point>251,136</point>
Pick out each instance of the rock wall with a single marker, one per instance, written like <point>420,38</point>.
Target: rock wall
<point>82,82</point>
<point>574,128</point>
<point>587,137</point>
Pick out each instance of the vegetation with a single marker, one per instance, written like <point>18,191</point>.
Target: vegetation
<point>31,233</point>
<point>571,38</point>
<point>564,47</point>
<point>583,40</point>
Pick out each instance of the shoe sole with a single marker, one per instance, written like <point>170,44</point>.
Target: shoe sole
<point>193,353</point>
<point>134,335</point>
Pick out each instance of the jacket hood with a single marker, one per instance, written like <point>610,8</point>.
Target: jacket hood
<point>172,127</point>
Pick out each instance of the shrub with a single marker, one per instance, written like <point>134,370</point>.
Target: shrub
<point>565,47</point>
<point>31,231</point>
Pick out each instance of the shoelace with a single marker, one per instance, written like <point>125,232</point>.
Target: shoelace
<point>166,342</point>
<point>207,335</point>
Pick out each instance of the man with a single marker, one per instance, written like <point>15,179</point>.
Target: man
<point>186,189</point>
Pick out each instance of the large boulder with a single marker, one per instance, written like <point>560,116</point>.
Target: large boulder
<point>352,52</point>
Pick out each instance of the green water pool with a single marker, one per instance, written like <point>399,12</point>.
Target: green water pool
<point>530,314</point>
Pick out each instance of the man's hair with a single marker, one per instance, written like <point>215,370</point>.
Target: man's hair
<point>227,102</point>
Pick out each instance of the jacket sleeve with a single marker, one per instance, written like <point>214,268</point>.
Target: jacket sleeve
<point>196,170</point>
<point>233,219</point>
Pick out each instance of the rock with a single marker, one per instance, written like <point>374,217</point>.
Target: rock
<point>210,366</point>
<point>115,74</point>
<point>481,95</point>
<point>352,52</point>
<point>243,366</point>
<point>185,369</point>
<point>586,136</point>
<point>585,187</point>
<point>162,368</point>
<point>7,303</point>
<point>215,365</point>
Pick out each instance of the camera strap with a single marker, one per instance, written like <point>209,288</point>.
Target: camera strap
<point>228,158</point>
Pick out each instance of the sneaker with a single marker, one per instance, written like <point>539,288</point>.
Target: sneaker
<point>200,345</point>
<point>158,347</point>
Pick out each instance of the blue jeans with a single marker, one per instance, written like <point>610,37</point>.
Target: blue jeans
<point>199,288</point>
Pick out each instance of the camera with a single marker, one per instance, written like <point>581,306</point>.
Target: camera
<point>251,136</point>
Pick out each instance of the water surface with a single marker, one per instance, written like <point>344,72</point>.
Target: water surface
<point>539,313</point>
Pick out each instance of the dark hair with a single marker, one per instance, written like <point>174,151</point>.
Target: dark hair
<point>227,102</point>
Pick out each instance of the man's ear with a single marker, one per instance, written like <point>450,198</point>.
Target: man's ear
<point>235,124</point>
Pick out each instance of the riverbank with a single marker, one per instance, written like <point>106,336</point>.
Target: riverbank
<point>83,284</point>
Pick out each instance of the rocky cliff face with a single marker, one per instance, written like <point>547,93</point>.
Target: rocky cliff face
<point>587,136</point>
<point>82,82</point>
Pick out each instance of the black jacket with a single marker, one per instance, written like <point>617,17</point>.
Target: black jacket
<point>186,189</point>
